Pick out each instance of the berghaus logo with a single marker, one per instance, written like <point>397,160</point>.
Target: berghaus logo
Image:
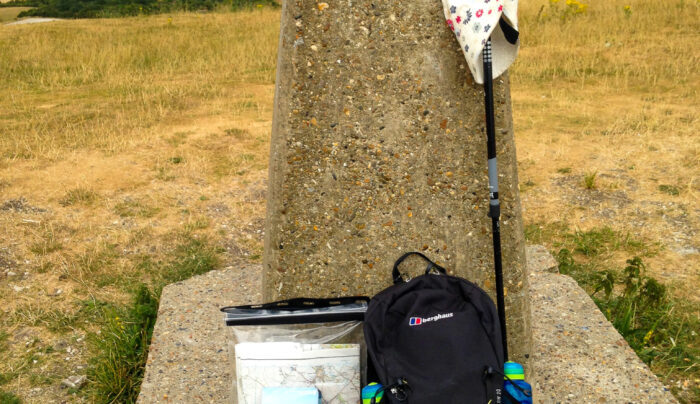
<point>413,321</point>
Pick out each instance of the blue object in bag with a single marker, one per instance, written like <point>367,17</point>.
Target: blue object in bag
<point>517,390</point>
<point>291,395</point>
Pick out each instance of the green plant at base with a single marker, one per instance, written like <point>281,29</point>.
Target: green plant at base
<point>662,330</point>
<point>120,349</point>
<point>641,294</point>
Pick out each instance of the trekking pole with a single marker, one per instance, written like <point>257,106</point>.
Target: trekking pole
<point>494,203</point>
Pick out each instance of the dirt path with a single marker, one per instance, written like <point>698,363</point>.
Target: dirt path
<point>33,20</point>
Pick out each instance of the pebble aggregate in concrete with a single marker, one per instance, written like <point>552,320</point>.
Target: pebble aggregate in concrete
<point>188,360</point>
<point>540,260</point>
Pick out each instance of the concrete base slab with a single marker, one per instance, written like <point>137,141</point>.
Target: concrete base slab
<point>578,355</point>
<point>188,360</point>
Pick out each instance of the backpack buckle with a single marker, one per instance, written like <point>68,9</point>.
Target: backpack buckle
<point>432,270</point>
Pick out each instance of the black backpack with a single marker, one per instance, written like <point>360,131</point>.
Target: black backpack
<point>435,339</point>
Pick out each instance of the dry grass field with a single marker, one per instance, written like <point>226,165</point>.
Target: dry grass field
<point>124,144</point>
<point>10,13</point>
<point>134,151</point>
<point>613,93</point>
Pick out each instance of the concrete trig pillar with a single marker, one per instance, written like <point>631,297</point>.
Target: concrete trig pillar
<point>378,148</point>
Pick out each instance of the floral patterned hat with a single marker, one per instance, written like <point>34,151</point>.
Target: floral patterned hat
<point>474,21</point>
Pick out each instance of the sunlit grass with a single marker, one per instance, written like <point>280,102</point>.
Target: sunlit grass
<point>643,44</point>
<point>105,84</point>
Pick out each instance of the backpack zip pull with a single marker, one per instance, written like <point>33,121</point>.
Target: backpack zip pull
<point>400,390</point>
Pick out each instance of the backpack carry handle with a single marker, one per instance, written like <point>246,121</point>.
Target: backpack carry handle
<point>398,278</point>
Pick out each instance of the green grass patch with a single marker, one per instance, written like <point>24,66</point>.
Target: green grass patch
<point>41,379</point>
<point>3,341</point>
<point>670,189</point>
<point>595,244</point>
<point>53,319</point>
<point>46,245</point>
<point>9,398</point>
<point>131,208</point>
<point>119,351</point>
<point>94,260</point>
<point>78,196</point>
<point>192,257</point>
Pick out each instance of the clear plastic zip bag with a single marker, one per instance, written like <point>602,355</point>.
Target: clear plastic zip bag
<point>297,348</point>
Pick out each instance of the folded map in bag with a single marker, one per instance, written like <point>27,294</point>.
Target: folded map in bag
<point>334,369</point>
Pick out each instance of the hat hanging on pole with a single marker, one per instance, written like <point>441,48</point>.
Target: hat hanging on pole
<point>474,21</point>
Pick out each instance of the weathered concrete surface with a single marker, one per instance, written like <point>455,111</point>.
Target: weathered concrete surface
<point>188,360</point>
<point>578,356</point>
<point>378,148</point>
<point>540,260</point>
